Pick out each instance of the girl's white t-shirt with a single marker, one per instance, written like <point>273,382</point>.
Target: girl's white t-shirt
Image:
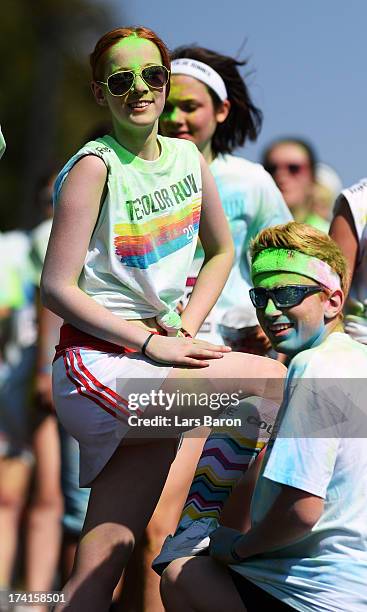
<point>145,238</point>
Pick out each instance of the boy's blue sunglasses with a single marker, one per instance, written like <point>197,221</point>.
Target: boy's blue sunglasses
<point>282,297</point>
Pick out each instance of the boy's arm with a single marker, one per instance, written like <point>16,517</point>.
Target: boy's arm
<point>236,512</point>
<point>291,516</point>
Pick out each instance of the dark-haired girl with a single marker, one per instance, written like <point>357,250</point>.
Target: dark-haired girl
<point>209,104</point>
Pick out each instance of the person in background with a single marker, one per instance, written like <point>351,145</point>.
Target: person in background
<point>17,338</point>
<point>307,186</point>
<point>43,527</point>
<point>210,104</point>
<point>349,230</point>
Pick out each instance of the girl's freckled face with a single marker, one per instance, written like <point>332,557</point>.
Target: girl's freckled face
<point>292,330</point>
<point>134,54</point>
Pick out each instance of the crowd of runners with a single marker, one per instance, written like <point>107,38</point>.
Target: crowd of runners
<point>197,439</point>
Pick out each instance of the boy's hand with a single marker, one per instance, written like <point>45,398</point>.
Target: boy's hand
<point>221,545</point>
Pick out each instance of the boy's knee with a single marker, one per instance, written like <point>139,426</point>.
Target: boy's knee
<point>171,575</point>
<point>168,582</point>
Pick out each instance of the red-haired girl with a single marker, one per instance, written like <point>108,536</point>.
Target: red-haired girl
<point>125,230</point>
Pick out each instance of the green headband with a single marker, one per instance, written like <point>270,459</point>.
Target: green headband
<point>287,260</point>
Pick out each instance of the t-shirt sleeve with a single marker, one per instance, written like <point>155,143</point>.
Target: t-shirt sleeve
<point>307,442</point>
<point>92,148</point>
<point>303,463</point>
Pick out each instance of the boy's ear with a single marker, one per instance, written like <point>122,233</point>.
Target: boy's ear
<point>98,93</point>
<point>334,304</point>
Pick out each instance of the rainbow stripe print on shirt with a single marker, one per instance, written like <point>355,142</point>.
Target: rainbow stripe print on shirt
<point>139,245</point>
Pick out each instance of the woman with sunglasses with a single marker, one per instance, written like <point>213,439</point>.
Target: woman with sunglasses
<point>124,234</point>
<point>293,165</point>
<point>305,547</point>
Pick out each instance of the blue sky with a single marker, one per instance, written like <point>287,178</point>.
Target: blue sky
<point>309,59</point>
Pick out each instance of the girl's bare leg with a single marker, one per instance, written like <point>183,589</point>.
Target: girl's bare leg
<point>122,500</point>
<point>166,516</point>
<point>141,582</point>
<point>240,373</point>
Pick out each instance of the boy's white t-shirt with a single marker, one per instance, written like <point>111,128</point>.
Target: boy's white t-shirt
<point>320,448</point>
<point>251,202</point>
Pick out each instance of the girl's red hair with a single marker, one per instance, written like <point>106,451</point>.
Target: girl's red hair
<point>111,38</point>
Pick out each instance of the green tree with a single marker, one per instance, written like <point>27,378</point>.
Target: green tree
<point>46,106</point>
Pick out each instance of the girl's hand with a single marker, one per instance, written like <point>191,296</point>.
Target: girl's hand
<point>184,351</point>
